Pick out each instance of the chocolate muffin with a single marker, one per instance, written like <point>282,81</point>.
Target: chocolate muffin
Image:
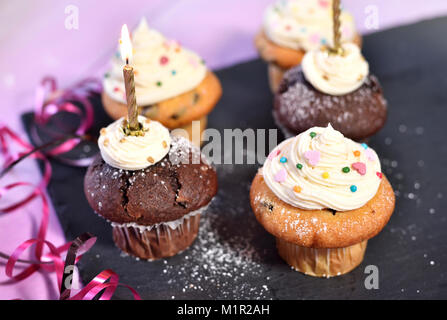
<point>352,102</point>
<point>155,210</point>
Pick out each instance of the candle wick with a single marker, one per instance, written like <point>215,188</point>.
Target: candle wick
<point>127,61</point>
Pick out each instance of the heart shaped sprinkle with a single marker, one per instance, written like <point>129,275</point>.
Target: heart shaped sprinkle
<point>360,167</point>
<point>313,157</point>
<point>379,174</point>
<point>273,154</point>
<point>370,154</point>
<point>281,176</point>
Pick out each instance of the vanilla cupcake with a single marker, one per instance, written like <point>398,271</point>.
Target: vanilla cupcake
<point>152,188</point>
<point>322,196</point>
<point>173,84</point>
<point>292,28</point>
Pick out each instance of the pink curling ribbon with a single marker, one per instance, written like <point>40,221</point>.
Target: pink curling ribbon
<point>106,282</point>
<point>49,101</point>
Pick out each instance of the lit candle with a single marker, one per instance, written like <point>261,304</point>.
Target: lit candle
<point>129,82</point>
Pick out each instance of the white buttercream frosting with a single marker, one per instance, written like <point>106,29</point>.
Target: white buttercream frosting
<point>307,172</point>
<point>336,74</point>
<point>305,24</point>
<point>134,152</point>
<point>163,69</point>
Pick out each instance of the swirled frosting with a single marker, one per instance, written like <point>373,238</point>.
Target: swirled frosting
<point>305,24</point>
<point>163,69</point>
<point>335,74</point>
<point>134,152</point>
<point>321,169</point>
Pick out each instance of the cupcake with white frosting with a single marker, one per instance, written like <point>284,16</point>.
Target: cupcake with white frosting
<point>322,196</point>
<point>172,84</point>
<point>153,188</point>
<point>335,88</point>
<point>292,28</point>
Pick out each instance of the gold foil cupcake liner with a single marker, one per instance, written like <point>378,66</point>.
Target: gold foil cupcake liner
<point>321,262</point>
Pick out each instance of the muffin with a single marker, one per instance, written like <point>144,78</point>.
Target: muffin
<point>173,84</point>
<point>331,88</point>
<point>152,188</point>
<point>292,28</point>
<point>322,196</point>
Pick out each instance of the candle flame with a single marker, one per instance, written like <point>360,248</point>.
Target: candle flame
<point>125,44</point>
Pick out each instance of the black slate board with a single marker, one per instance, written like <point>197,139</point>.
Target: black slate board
<point>235,258</point>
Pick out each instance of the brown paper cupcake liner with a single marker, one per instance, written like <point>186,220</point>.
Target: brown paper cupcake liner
<point>159,241</point>
<point>321,262</point>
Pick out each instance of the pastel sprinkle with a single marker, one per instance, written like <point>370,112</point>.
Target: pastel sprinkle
<point>164,60</point>
<point>357,153</point>
<point>379,174</point>
<point>116,89</point>
<point>353,188</point>
<point>360,167</point>
<point>283,160</point>
<point>346,169</point>
<point>313,157</point>
<point>288,27</point>
<point>370,154</point>
<point>281,176</point>
<point>173,72</point>
<point>312,134</point>
<point>325,175</point>
<point>364,145</point>
<point>273,154</point>
<point>299,166</point>
<point>297,189</point>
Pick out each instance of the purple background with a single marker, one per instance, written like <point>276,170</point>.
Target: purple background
<point>35,43</point>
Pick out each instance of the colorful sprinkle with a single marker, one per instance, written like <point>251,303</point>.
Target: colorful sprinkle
<point>360,167</point>
<point>357,153</point>
<point>324,3</point>
<point>159,84</point>
<point>273,154</point>
<point>370,154</point>
<point>288,27</point>
<point>325,175</point>
<point>346,169</point>
<point>364,145</point>
<point>281,176</point>
<point>283,160</point>
<point>312,134</point>
<point>173,72</point>
<point>379,174</point>
<point>353,188</point>
<point>313,157</point>
<point>116,89</point>
<point>297,189</point>
<point>164,60</point>
<point>150,159</point>
<point>299,166</point>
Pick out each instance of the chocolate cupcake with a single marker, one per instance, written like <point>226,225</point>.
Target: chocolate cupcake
<point>292,28</point>
<point>152,188</point>
<point>331,88</point>
<point>172,84</point>
<point>322,196</point>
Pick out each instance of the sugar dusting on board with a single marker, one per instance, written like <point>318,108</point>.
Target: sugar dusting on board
<point>221,258</point>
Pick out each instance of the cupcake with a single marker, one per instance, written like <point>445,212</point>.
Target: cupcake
<point>322,196</point>
<point>152,188</point>
<point>173,84</point>
<point>292,28</point>
<point>331,88</point>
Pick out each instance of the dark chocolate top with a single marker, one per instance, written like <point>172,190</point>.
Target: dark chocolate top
<point>165,191</point>
<point>299,106</point>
